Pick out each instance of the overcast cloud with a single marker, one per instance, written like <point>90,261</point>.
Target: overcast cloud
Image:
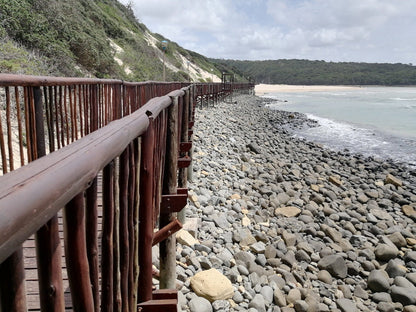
<point>330,30</point>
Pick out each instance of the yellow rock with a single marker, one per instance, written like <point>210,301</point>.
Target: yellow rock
<point>335,180</point>
<point>390,179</point>
<point>206,173</point>
<point>185,238</point>
<point>411,241</point>
<point>212,285</point>
<point>408,210</point>
<point>288,211</point>
<point>379,183</point>
<point>193,198</point>
<point>245,221</point>
<point>235,196</point>
<point>315,187</point>
<point>232,303</point>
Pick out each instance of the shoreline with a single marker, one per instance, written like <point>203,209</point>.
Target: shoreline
<point>292,224</point>
<point>263,89</point>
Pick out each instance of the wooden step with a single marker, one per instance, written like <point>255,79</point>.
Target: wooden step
<point>165,294</point>
<point>165,305</point>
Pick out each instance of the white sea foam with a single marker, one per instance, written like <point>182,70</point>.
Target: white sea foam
<point>403,99</point>
<point>342,136</point>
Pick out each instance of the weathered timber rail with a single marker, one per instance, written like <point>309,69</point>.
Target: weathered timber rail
<point>111,158</point>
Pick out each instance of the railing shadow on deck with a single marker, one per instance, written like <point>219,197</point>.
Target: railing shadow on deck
<point>64,133</point>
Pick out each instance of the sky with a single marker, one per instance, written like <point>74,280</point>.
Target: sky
<point>374,31</point>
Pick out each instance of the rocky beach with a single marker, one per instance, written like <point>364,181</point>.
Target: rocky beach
<point>275,223</point>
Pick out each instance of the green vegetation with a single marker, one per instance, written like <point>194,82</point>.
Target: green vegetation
<point>100,38</point>
<point>68,33</point>
<point>15,59</point>
<point>306,72</point>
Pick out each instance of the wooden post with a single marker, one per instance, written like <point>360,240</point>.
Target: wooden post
<point>91,208</point>
<point>192,99</point>
<point>167,248</point>
<point>146,213</point>
<point>76,255</point>
<point>49,255</point>
<point>136,268</point>
<point>92,240</point>
<point>124,235</point>
<point>182,182</point>
<point>107,267</point>
<point>12,283</point>
<point>130,218</point>
<point>48,243</point>
<point>116,240</point>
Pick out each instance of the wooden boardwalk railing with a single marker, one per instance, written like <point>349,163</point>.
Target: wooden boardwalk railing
<point>109,156</point>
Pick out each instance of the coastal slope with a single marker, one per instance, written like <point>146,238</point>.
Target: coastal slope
<point>292,225</point>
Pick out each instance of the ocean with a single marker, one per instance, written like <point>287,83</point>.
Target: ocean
<point>372,121</point>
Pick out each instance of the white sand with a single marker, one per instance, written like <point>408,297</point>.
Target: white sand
<point>262,89</point>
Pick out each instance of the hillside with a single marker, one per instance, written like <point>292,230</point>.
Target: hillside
<point>99,38</point>
<point>305,72</point>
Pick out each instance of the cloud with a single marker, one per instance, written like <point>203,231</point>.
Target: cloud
<point>211,15</point>
<point>336,30</point>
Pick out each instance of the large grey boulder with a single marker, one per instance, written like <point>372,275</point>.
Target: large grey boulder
<point>335,265</point>
<point>200,304</point>
<point>346,305</point>
<point>258,303</point>
<point>386,252</point>
<point>404,295</point>
<point>378,281</point>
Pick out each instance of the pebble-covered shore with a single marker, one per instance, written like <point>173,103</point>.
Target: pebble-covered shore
<point>290,225</point>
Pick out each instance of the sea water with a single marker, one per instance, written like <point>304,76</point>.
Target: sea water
<point>372,121</point>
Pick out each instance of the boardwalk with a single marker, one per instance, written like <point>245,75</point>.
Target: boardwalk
<point>138,135</point>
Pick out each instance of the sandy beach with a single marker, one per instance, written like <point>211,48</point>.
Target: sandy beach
<point>262,89</point>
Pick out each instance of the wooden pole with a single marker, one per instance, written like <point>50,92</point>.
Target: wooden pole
<point>107,239</point>
<point>116,240</point>
<point>48,243</point>
<point>131,223</point>
<point>136,268</point>
<point>124,235</point>
<point>12,283</point>
<point>91,209</point>
<point>166,231</point>
<point>146,213</point>
<point>76,255</point>
<point>167,247</point>
<point>191,92</point>
<point>184,135</point>
<point>92,240</point>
